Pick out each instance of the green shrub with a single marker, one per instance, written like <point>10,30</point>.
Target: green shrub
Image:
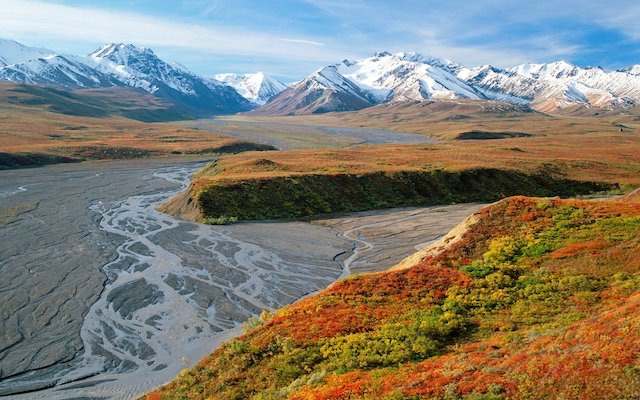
<point>423,337</point>
<point>222,220</point>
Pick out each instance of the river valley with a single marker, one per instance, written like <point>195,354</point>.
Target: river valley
<point>105,297</point>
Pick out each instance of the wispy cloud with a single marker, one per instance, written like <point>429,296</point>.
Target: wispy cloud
<point>56,22</point>
<point>303,42</point>
<point>296,37</point>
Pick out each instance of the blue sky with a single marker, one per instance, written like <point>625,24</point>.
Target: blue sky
<point>290,39</point>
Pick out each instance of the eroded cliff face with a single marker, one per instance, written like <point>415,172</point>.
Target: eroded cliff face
<point>298,196</point>
<point>184,206</point>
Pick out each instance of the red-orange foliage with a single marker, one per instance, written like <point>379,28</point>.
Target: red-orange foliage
<point>423,280</point>
<point>568,326</point>
<point>589,361</point>
<point>573,249</point>
<point>353,306</point>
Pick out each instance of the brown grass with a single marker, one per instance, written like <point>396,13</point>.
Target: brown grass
<point>32,129</point>
<point>449,119</point>
<point>613,158</point>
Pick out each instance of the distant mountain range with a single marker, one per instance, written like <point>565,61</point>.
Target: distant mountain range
<point>120,65</point>
<point>384,78</point>
<point>392,78</point>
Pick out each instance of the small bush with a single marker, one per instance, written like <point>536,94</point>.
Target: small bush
<point>223,220</point>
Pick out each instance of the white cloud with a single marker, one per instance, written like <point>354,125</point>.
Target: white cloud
<point>303,42</point>
<point>482,32</point>
<point>468,32</point>
<point>39,20</point>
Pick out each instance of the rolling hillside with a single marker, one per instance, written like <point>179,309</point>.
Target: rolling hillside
<point>40,125</point>
<point>453,119</point>
<point>539,298</point>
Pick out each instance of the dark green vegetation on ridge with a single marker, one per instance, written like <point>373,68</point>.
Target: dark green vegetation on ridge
<point>308,195</point>
<point>11,161</point>
<point>97,103</point>
<point>303,183</point>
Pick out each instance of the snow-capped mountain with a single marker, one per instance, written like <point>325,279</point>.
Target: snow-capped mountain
<point>31,65</point>
<point>391,78</point>
<point>325,90</point>
<point>634,70</point>
<point>349,85</point>
<point>257,88</point>
<point>12,52</point>
<point>120,65</point>
<point>55,70</point>
<point>383,78</point>
<point>558,85</point>
<point>406,77</point>
<point>140,68</point>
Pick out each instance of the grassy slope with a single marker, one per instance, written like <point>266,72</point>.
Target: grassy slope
<point>540,299</point>
<point>585,157</point>
<point>104,102</point>
<point>307,182</point>
<point>450,119</point>
<point>40,126</point>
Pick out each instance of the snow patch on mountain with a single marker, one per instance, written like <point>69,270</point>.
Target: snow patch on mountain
<point>139,67</point>
<point>558,85</point>
<point>257,88</point>
<point>406,77</point>
<point>634,70</point>
<point>57,70</point>
<point>12,52</point>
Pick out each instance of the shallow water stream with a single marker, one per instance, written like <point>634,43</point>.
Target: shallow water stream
<point>102,296</point>
<point>173,289</point>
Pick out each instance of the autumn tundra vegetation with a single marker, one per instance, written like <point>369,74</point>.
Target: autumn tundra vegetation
<point>540,298</point>
<point>41,125</point>
<point>459,119</point>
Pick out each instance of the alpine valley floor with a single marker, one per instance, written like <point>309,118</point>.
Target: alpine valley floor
<point>136,295</point>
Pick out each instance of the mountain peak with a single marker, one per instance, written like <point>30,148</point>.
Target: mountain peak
<point>120,51</point>
<point>558,69</point>
<point>12,52</point>
<point>257,87</point>
<point>633,70</point>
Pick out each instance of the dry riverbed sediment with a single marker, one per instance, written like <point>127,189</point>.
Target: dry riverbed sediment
<point>383,238</point>
<point>102,296</point>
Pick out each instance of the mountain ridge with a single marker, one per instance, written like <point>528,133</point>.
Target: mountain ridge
<point>140,67</point>
<point>124,65</point>
<point>350,85</point>
<point>12,52</point>
<point>387,78</point>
